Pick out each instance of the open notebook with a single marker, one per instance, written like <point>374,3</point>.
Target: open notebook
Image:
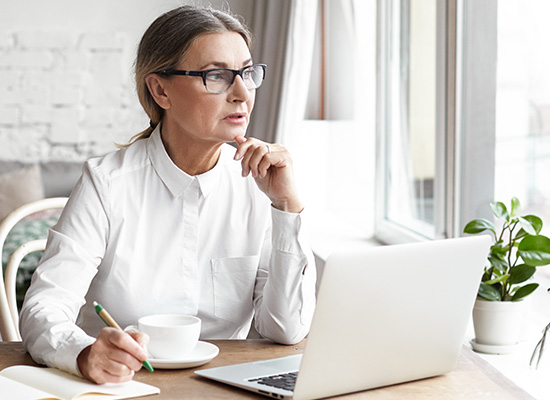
<point>22,382</point>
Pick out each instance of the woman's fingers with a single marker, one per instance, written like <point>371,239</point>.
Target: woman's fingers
<point>253,158</point>
<point>263,166</point>
<point>126,350</point>
<point>113,357</point>
<point>256,156</point>
<point>141,338</point>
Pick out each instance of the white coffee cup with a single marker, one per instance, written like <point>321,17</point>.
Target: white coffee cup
<point>171,336</point>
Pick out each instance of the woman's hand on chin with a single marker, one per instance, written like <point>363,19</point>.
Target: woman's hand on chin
<point>271,166</point>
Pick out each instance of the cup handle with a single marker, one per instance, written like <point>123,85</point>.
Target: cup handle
<point>130,328</point>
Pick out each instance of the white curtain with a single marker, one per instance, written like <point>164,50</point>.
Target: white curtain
<point>297,69</point>
<point>284,32</point>
<point>270,21</point>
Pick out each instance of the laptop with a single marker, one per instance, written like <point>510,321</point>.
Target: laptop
<point>384,315</point>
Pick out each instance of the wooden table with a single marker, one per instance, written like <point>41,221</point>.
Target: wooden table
<point>473,377</point>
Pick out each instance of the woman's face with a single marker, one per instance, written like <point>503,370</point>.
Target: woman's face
<point>198,114</point>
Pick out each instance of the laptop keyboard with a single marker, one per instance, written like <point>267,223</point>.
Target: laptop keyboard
<point>285,381</point>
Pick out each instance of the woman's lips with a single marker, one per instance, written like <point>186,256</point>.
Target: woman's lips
<point>236,118</point>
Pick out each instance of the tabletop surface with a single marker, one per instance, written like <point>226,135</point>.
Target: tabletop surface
<point>472,378</point>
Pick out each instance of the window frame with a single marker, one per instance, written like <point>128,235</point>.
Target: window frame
<point>465,137</point>
<point>475,110</point>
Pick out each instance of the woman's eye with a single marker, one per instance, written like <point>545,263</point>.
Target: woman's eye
<point>214,76</point>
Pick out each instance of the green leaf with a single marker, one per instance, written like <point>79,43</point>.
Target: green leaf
<point>499,263</point>
<point>520,273</point>
<point>527,226</point>
<point>535,250</point>
<point>520,234</point>
<point>516,207</point>
<point>500,210</point>
<point>488,292</point>
<point>478,226</point>
<point>497,280</point>
<point>489,273</point>
<point>513,290</point>
<point>499,249</point>
<point>525,291</point>
<point>535,222</point>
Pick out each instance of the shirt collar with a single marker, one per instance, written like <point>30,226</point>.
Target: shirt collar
<point>174,178</point>
<point>210,179</point>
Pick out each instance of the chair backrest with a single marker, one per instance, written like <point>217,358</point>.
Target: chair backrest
<point>9,316</point>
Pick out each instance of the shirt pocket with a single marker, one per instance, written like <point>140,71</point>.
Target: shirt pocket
<point>233,280</point>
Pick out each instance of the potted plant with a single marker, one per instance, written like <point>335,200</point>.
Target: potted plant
<point>518,249</point>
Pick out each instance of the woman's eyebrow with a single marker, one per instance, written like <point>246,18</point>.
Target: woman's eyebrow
<point>221,64</point>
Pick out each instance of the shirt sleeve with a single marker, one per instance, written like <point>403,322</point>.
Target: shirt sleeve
<point>74,250</point>
<point>285,288</point>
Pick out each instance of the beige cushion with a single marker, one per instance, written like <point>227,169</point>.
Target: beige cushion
<point>20,187</point>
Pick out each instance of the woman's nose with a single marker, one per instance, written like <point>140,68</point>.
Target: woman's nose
<point>238,90</point>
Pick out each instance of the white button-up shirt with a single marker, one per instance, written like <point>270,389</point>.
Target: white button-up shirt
<point>141,237</point>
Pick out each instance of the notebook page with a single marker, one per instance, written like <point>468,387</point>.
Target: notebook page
<point>13,390</point>
<point>67,386</point>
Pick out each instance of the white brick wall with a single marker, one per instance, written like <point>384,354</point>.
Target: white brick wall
<point>6,40</point>
<point>42,40</point>
<point>69,95</point>
<point>9,116</point>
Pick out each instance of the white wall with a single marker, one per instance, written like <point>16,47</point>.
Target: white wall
<point>66,75</point>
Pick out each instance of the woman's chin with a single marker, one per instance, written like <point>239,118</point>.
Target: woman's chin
<point>231,135</point>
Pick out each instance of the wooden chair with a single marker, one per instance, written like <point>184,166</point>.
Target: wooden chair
<point>9,315</point>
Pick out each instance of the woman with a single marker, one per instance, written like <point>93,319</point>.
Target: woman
<point>178,221</point>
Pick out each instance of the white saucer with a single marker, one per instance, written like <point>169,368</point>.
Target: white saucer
<point>493,349</point>
<point>203,353</point>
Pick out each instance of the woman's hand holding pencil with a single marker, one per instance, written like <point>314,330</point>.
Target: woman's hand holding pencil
<point>115,356</point>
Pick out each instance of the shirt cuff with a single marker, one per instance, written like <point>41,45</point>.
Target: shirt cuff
<point>287,230</point>
<point>66,355</point>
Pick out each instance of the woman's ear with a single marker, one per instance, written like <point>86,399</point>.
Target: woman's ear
<point>156,86</point>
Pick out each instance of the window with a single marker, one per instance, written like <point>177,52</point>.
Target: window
<point>523,107</point>
<point>413,100</point>
<point>436,118</point>
<point>522,144</point>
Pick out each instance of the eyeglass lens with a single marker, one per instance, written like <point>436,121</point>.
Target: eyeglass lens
<point>218,81</point>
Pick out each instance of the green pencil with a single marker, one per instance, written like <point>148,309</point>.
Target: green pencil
<point>109,321</point>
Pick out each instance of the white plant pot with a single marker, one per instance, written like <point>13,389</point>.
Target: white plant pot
<point>499,323</point>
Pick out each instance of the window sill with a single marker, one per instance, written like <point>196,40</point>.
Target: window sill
<point>331,238</point>
<point>515,366</point>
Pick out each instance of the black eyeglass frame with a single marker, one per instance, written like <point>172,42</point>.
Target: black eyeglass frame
<point>202,74</point>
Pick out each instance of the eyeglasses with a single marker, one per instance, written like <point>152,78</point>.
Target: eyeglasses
<point>539,349</point>
<point>219,80</point>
